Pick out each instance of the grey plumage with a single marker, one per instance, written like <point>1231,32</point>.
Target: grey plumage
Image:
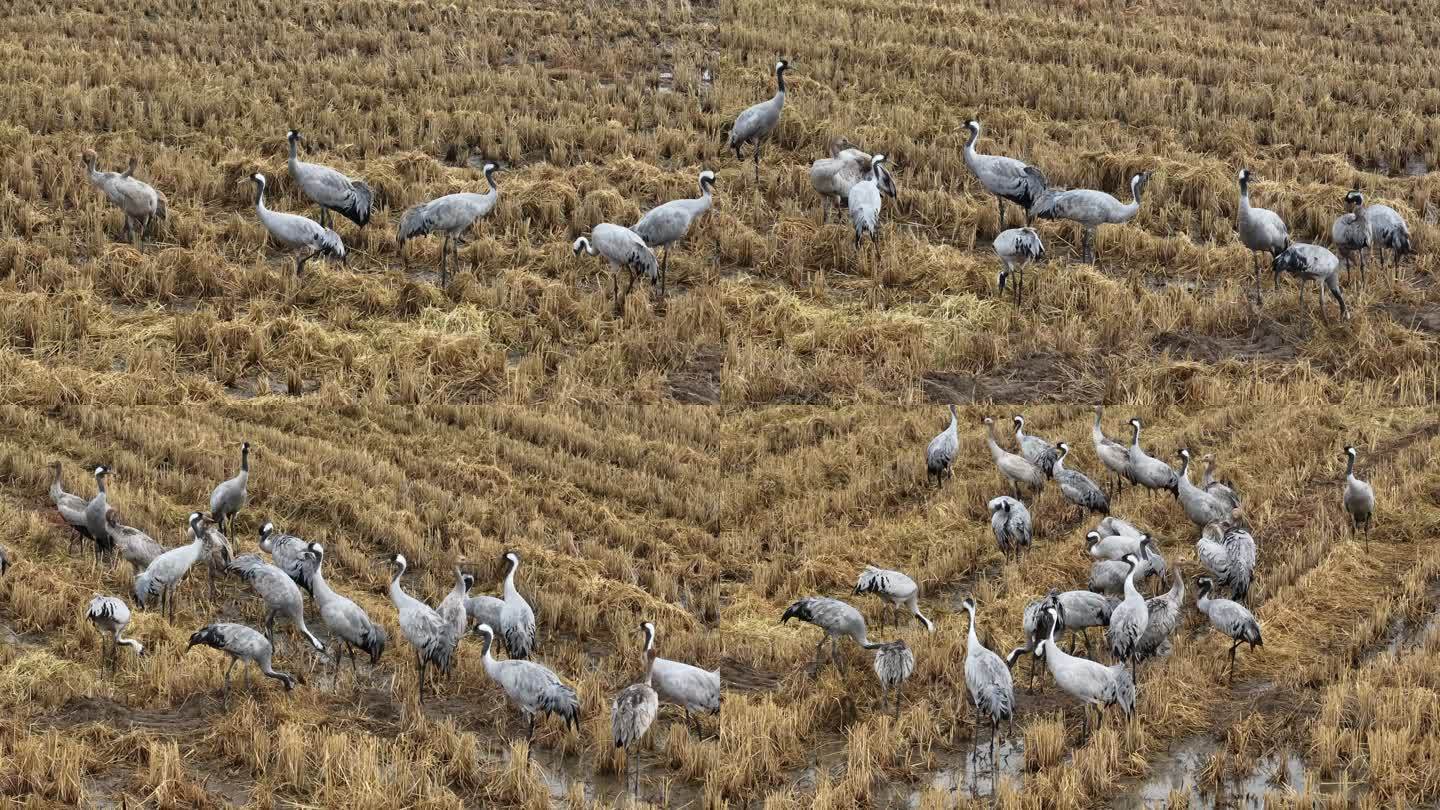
<point>1078,611</point>
<point>894,663</point>
<point>1037,622</point>
<point>1087,681</point>
<point>484,609</point>
<point>348,623</point>
<point>95,512</point>
<point>240,643</point>
<point>159,579</point>
<point>1164,620</point>
<point>633,711</point>
<point>138,200</point>
<point>1227,550</point>
<point>624,250</point>
<point>1307,263</point>
<point>1213,485</point>
<point>1147,471</point>
<point>864,202</point>
<point>422,626</point>
<point>1231,618</point>
<point>1091,209</point>
<point>836,618</point>
<point>1129,619</point>
<point>231,495</point>
<point>988,679</point>
<point>756,123</point>
<point>110,616</point>
<point>452,215</point>
<point>517,620</point>
<point>530,687</point>
<point>1017,248</point>
<point>1108,576</point>
<point>134,546</point>
<point>1010,521</point>
<point>330,189</point>
<point>833,177</point>
<point>1077,487</point>
<point>452,610</point>
<point>1113,454</point>
<point>1351,233</point>
<point>1013,468</point>
<point>296,233</point>
<point>1036,450</point>
<point>1260,229</point>
<point>280,593</point>
<point>896,590</point>
<point>1359,497</point>
<point>665,224</point>
<point>1388,230</point>
<point>1201,506</point>
<point>1115,546</point>
<point>940,452</point>
<point>1004,177</point>
<point>71,507</point>
<point>1112,525</point>
<point>288,553</point>
<point>689,687</point>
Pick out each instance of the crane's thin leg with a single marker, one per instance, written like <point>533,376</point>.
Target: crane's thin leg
<point>228,670</point>
<point>898,692</point>
<point>530,735</point>
<point>420,674</point>
<point>664,265</point>
<point>824,209</point>
<point>444,268</point>
<point>835,654</point>
<point>1000,212</point>
<point>819,653</point>
<point>974,731</point>
<point>1232,661</point>
<point>757,162</point>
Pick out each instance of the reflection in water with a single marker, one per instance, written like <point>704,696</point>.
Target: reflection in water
<point>957,772</point>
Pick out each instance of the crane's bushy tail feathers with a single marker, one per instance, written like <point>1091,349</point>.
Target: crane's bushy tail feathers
<point>415,222</point>
<point>561,701</point>
<point>361,205</point>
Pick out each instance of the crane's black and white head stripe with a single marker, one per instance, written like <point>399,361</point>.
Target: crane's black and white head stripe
<point>1019,422</point>
<point>267,530</point>
<point>399,560</point>
<point>1244,176</point>
<point>707,180</point>
<point>101,470</point>
<point>512,558</point>
<point>1091,539</point>
<point>292,135</point>
<point>648,630</point>
<point>968,603</point>
<point>973,126</point>
<point>468,580</point>
<point>259,179</point>
<point>1349,451</point>
<point>1064,448</point>
<point>1355,198</point>
<point>782,66</point>
<point>583,244</point>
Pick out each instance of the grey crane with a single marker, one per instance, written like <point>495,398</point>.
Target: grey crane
<point>1091,209</point>
<point>633,711</point>
<point>330,189</point>
<point>1108,576</point>
<point>1231,618</point>
<point>1129,620</point>
<point>988,679</point>
<point>1037,621</point>
<point>1351,233</point>
<point>940,452</point>
<point>1091,683</point>
<point>865,202</point>
<point>1077,487</point>
<point>162,575</point>
<point>1015,469</point>
<point>1227,550</point>
<point>1010,521</point>
<point>452,609</point>
<point>135,546</point>
<point>687,686</point>
<point>894,663</point>
<point>422,626</point>
<point>280,594</point>
<point>833,177</point>
<point>531,687</point>
<point>1388,230</point>
<point>71,507</point>
<point>1261,230</point>
<point>1017,248</point>
<point>1164,620</point>
<point>517,620</point>
<point>1113,454</point>
<point>756,123</point>
<point>288,553</point>
<point>1078,611</point>
<point>1112,525</point>
<point>452,215</point>
<point>484,609</point>
<point>217,555</point>
<point>895,590</point>
<point>1307,262</point>
<point>1036,450</point>
<point>305,237</point>
<point>95,515</point>
<point>1004,177</point>
<point>1359,497</point>
<point>138,200</point>
<point>240,643</point>
<point>1115,546</point>
<point>625,251</point>
<point>1213,485</point>
<point>231,495</point>
<point>1147,471</point>
<point>110,616</point>
<point>666,224</point>
<point>834,617</point>
<point>1200,505</point>
<point>348,623</point>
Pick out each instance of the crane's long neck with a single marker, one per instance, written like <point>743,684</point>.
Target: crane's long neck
<point>260,197</point>
<point>649,665</point>
<point>1185,468</point>
<point>1244,194</point>
<point>954,419</point>
<point>128,642</point>
<point>1137,187</point>
<point>970,143</point>
<point>1177,591</point>
<point>397,594</point>
<point>100,482</point>
<point>1350,466</point>
<point>974,639</point>
<point>990,440</point>
<point>510,581</point>
<point>1059,465</point>
<point>1130,590</point>
<point>1097,432</point>
<point>320,589</point>
<point>294,152</point>
<point>56,487</point>
<point>244,461</point>
<point>486,658</point>
<point>780,85</point>
<point>1135,437</point>
<point>490,178</point>
<point>1209,471</point>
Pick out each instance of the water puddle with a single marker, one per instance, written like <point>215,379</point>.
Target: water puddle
<point>958,773</point>
<point>564,775</point>
<point>1195,770</point>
